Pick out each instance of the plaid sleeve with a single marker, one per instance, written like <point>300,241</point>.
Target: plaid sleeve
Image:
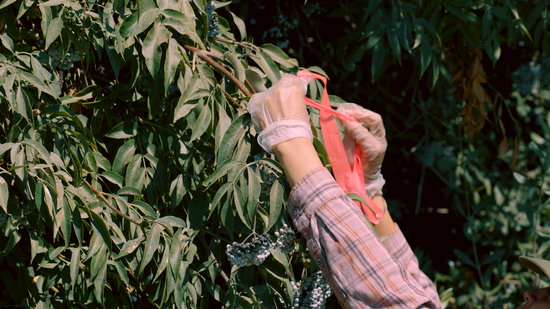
<point>398,246</point>
<point>358,267</point>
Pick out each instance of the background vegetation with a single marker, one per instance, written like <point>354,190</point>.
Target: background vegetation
<point>128,161</point>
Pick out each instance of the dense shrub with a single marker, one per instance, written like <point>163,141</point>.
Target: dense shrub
<point>129,164</point>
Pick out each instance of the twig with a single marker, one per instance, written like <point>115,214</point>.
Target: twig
<point>250,86</point>
<point>214,258</point>
<point>110,205</point>
<point>230,97</point>
<point>205,57</point>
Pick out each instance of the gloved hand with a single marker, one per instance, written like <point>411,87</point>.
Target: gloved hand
<point>280,114</point>
<point>370,135</point>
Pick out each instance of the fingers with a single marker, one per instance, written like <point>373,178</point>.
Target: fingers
<point>369,119</point>
<point>370,144</point>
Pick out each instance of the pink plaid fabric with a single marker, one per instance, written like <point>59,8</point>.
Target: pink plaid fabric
<point>363,272</point>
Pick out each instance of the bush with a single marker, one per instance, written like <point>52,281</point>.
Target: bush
<point>129,164</point>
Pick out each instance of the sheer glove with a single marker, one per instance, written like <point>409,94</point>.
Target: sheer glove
<point>369,134</point>
<point>279,113</point>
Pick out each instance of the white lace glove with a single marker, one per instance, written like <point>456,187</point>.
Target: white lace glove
<point>370,135</point>
<point>279,113</point>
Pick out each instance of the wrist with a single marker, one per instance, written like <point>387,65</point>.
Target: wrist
<point>298,157</point>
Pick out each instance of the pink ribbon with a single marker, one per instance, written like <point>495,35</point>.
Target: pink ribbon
<point>350,178</point>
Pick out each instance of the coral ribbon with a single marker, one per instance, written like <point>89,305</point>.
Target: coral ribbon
<point>350,178</point>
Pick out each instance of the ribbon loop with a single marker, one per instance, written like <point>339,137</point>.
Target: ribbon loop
<point>350,178</point>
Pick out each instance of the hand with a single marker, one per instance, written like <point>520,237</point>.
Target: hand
<point>280,113</point>
<point>370,135</point>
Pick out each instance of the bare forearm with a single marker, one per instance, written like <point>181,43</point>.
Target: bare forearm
<point>386,224</point>
<point>298,157</point>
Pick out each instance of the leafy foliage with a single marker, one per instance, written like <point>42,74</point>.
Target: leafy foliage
<point>128,162</point>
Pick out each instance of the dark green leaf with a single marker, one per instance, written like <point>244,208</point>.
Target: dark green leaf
<point>171,221</point>
<point>54,30</point>
<point>129,247</point>
<point>114,178</point>
<point>275,203</point>
<point>240,204</point>
<point>378,56</point>
<point>173,59</point>
<point>123,156</point>
<point>463,257</point>
<point>425,55</point>
<point>101,228</point>
<point>233,134</point>
<point>150,247</point>
<point>4,194</point>
<point>237,66</point>
<point>254,190</point>
<point>138,22</point>
<point>201,125</point>
<point>75,266</point>
<point>393,39</point>
<point>493,258</point>
<point>240,25</point>
<point>129,191</point>
<point>152,50</point>
<point>182,24</point>
<point>221,171</point>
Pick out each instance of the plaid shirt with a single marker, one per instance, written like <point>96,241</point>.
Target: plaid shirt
<point>363,272</point>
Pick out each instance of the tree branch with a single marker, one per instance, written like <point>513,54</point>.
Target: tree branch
<point>230,97</point>
<point>120,213</point>
<point>204,56</point>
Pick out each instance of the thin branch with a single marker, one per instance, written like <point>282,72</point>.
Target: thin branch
<point>230,97</point>
<point>250,86</point>
<point>204,56</point>
<point>215,260</point>
<point>110,205</point>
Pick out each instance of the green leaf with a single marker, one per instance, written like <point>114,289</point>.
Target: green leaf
<point>226,215</point>
<point>129,191</point>
<point>280,56</point>
<point>99,282</point>
<point>150,247</point>
<point>173,59</point>
<point>101,228</point>
<point>425,55</point>
<point>122,272</point>
<point>182,24</point>
<point>54,30</point>
<point>223,124</point>
<point>254,190</point>
<point>77,225</point>
<point>255,80</point>
<point>129,247</point>
<point>178,189</point>
<point>493,258</point>
<point>267,65</point>
<point>220,193</point>
<point>171,221</point>
<point>184,107</point>
<point>146,209</point>
<point>201,125</point>
<point>237,66</point>
<point>99,259</point>
<point>4,194</point>
<point>233,134</point>
<point>114,178</point>
<point>123,130</point>
<point>377,58</point>
<point>240,204</point>
<point>240,25</point>
<point>91,161</point>
<point>152,50</point>
<point>44,153</point>
<point>7,42</point>
<point>393,39</point>
<point>132,170</point>
<point>75,266</point>
<point>5,3</point>
<point>123,156</point>
<point>138,22</point>
<point>464,258</point>
<point>221,171</point>
<point>275,203</point>
<point>21,103</point>
<point>487,23</point>
<point>53,2</point>
<point>67,222</point>
<point>163,262</point>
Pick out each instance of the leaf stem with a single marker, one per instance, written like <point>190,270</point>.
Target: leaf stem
<point>110,205</point>
<point>214,258</point>
<point>204,56</point>
<point>230,97</point>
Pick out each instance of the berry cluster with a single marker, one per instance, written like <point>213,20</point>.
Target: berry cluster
<point>286,238</point>
<point>66,62</point>
<point>311,292</point>
<point>251,253</point>
<point>213,29</point>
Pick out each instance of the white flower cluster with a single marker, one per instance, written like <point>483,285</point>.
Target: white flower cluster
<point>213,29</point>
<point>64,63</point>
<point>311,292</point>
<point>286,239</point>
<point>251,253</point>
